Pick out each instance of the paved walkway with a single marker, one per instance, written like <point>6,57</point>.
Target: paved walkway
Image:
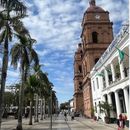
<point>59,123</point>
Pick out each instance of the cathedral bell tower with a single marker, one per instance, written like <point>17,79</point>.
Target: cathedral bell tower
<point>78,78</point>
<point>97,34</point>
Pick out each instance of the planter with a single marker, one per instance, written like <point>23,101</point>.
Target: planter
<point>127,123</point>
<point>113,120</point>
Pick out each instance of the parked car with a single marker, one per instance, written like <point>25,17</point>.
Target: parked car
<point>76,114</point>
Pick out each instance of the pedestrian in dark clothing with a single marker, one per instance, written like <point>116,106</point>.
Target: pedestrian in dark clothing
<point>65,115</point>
<point>72,115</point>
<point>121,122</point>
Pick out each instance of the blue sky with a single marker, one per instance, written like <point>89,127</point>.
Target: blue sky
<point>56,25</point>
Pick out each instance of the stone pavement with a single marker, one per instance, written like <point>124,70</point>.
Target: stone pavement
<point>59,123</point>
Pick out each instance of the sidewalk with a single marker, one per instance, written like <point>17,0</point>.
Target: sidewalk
<point>59,123</point>
<point>11,124</point>
<point>93,122</point>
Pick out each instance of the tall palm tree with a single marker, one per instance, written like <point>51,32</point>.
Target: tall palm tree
<point>43,90</point>
<point>7,27</point>
<point>24,53</point>
<point>44,93</point>
<point>31,89</point>
<point>54,98</point>
<point>14,5</point>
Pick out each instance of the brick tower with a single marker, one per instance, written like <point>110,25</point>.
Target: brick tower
<point>97,34</point>
<point>78,78</point>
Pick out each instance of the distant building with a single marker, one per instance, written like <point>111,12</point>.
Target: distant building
<point>97,34</point>
<point>71,105</point>
<point>110,76</point>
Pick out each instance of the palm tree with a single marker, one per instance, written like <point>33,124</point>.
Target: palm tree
<point>24,53</point>
<point>44,93</point>
<point>13,5</point>
<point>43,90</point>
<point>31,89</point>
<point>7,27</point>
<point>105,108</point>
<point>54,98</point>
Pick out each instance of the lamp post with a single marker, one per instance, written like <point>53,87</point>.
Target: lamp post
<point>51,109</point>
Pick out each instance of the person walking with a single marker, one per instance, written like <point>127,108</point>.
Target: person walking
<point>65,115</point>
<point>72,115</point>
<point>121,122</point>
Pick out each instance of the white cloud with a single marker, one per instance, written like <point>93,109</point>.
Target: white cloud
<point>43,52</point>
<point>13,74</point>
<point>56,25</point>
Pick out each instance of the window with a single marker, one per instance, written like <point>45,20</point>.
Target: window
<point>93,86</point>
<point>96,60</point>
<point>80,69</point>
<point>99,107</point>
<point>94,37</point>
<point>80,85</point>
<point>95,107</point>
<point>97,83</point>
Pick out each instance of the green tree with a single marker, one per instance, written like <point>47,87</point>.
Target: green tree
<point>31,89</point>
<point>9,99</point>
<point>43,89</point>
<point>105,108</point>
<point>7,27</point>
<point>24,53</point>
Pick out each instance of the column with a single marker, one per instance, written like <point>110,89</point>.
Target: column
<point>106,78</point>
<point>101,83</point>
<point>126,96</point>
<point>109,98</point>
<point>110,102</point>
<point>103,98</point>
<point>118,106</point>
<point>113,72</point>
<point>121,69</point>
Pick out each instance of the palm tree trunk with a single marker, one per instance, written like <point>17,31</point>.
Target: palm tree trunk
<point>20,112</point>
<point>41,108</point>
<point>19,126</point>
<point>44,112</point>
<point>30,113</point>
<point>36,109</point>
<point>3,78</point>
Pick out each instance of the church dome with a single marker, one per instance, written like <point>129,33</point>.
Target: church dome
<point>93,7</point>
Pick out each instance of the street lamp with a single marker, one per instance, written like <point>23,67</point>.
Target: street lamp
<point>51,109</point>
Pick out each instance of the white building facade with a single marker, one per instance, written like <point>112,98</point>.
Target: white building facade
<point>71,105</point>
<point>110,77</point>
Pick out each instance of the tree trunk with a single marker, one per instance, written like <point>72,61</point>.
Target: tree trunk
<point>3,78</point>
<point>19,126</point>
<point>20,108</point>
<point>36,110</point>
<point>41,108</point>
<point>44,109</point>
<point>30,113</point>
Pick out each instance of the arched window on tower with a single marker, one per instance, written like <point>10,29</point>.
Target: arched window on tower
<point>94,37</point>
<point>80,69</point>
<point>80,85</point>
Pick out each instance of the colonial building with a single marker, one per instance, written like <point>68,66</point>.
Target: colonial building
<point>97,34</point>
<point>110,76</point>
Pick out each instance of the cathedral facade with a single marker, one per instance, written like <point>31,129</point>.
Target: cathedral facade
<point>97,34</point>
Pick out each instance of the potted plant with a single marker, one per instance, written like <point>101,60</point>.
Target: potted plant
<point>92,113</point>
<point>105,108</point>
